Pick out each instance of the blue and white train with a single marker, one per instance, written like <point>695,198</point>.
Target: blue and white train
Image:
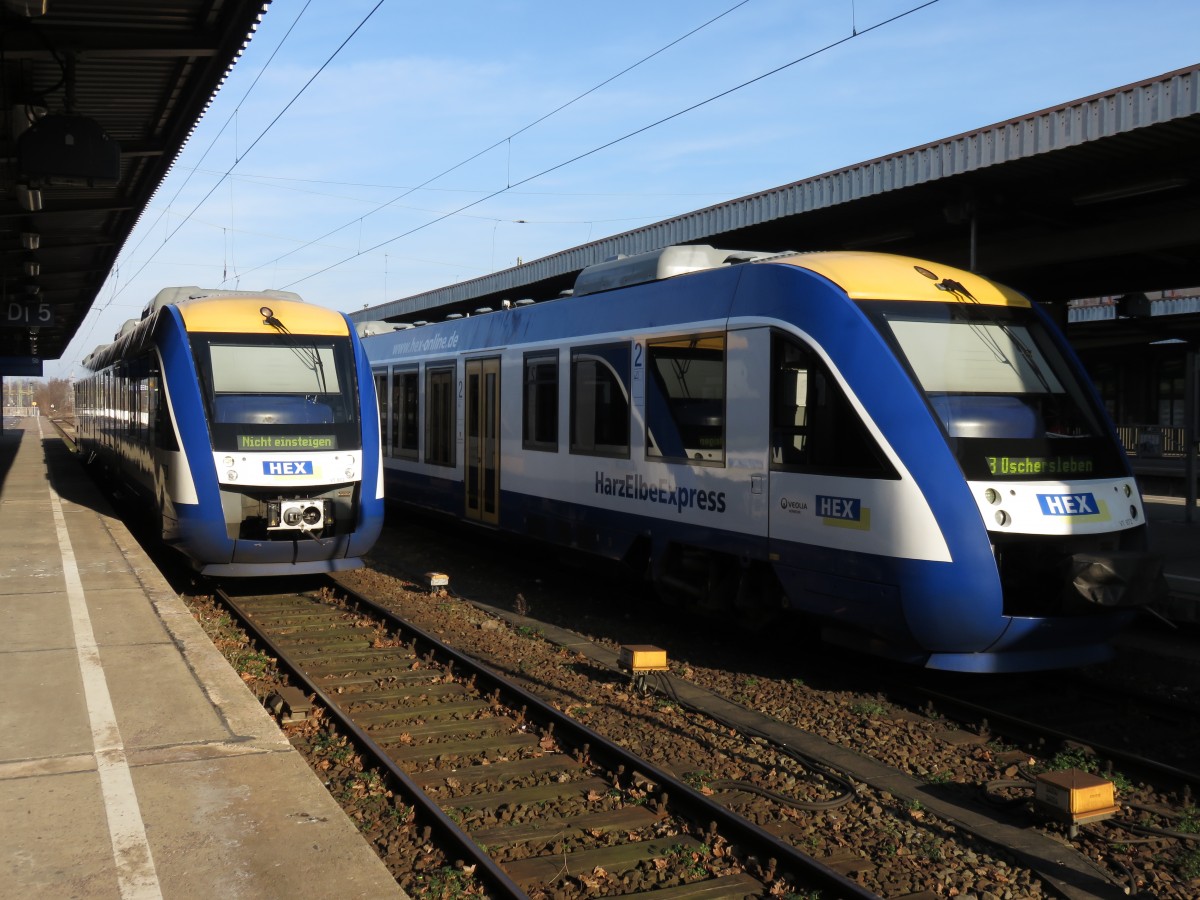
<point>906,451</point>
<point>245,424</point>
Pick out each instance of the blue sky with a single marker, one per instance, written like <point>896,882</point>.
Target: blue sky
<point>422,87</point>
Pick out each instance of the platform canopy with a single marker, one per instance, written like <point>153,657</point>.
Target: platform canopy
<point>1096,196</point>
<point>98,99</point>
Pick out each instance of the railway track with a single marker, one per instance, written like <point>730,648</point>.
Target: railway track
<point>919,821</point>
<point>1143,737</point>
<point>558,807</point>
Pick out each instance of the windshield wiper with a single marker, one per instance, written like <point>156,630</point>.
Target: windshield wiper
<point>960,291</point>
<point>309,355</point>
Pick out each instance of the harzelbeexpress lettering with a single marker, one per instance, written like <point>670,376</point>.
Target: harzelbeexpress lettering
<point>634,487</point>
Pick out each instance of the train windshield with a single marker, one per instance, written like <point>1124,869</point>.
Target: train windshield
<point>278,392</point>
<point>1012,405</point>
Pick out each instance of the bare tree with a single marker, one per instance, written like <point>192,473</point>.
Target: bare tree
<point>54,397</point>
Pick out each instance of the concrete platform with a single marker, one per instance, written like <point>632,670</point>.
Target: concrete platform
<point>134,763</point>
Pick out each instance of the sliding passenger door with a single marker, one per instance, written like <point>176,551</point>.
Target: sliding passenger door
<point>483,440</point>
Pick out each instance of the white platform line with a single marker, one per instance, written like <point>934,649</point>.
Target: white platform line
<point>136,875</point>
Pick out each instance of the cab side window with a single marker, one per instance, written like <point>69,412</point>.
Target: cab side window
<point>814,427</point>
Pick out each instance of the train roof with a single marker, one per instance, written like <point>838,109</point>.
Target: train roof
<point>863,275</point>
<point>221,311</point>
<point>259,314</point>
<point>175,295</point>
<point>885,276</point>
<point>624,271</point>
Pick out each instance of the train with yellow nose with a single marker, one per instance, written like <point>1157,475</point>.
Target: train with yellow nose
<point>244,424</point>
<point>906,453</point>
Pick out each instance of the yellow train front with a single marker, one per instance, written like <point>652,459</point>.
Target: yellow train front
<point>245,424</point>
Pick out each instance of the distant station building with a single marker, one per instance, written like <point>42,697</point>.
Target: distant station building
<point>1140,351</point>
<point>20,396</point>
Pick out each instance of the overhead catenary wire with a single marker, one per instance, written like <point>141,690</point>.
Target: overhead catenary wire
<point>274,121</point>
<point>117,289</point>
<point>506,140</point>
<point>574,159</point>
<point>192,170</point>
<point>279,115</point>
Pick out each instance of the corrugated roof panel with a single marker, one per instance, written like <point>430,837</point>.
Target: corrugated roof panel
<point>144,70</point>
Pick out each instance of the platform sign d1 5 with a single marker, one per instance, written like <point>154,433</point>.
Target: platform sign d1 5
<point>24,315</point>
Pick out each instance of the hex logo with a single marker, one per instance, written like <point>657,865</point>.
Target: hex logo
<point>843,512</point>
<point>288,467</point>
<point>849,508</point>
<point>1068,504</point>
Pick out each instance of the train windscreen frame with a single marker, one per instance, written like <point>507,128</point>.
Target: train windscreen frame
<point>278,392</point>
<point>1012,406</point>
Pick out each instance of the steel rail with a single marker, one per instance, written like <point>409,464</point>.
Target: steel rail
<point>686,800</point>
<point>487,870</point>
<point>1010,723</point>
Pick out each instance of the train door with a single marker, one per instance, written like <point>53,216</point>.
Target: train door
<point>827,471</point>
<point>483,440</point>
<point>381,398</point>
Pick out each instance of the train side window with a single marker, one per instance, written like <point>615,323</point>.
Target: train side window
<point>138,374</point>
<point>814,428</point>
<point>132,403</point>
<point>539,414</point>
<point>405,417</point>
<point>685,399</point>
<point>164,432</point>
<point>381,399</point>
<point>144,408</point>
<point>439,416</point>
<point>600,400</point>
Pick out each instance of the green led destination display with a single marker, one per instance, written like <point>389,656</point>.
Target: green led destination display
<point>1040,465</point>
<point>272,442</point>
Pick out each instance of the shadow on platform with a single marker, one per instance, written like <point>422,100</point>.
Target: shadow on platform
<point>10,443</point>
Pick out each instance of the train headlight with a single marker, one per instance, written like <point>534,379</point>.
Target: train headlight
<point>1128,491</point>
<point>229,461</point>
<point>1003,519</point>
<point>231,474</point>
<point>1133,513</point>
<point>992,496</point>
